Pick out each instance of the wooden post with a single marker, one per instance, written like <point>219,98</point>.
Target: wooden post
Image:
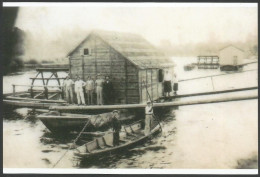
<point>95,56</point>
<point>110,58</point>
<point>141,87</point>
<point>69,66</point>
<point>126,81</point>
<point>212,83</point>
<point>83,63</point>
<point>152,84</point>
<point>146,83</point>
<point>31,91</point>
<point>46,92</point>
<point>45,88</point>
<point>13,90</point>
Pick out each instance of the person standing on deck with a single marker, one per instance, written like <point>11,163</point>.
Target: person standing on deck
<point>148,118</point>
<point>99,89</point>
<point>116,126</point>
<point>90,86</point>
<point>167,83</point>
<point>68,89</point>
<point>108,91</point>
<point>175,83</point>
<point>79,84</point>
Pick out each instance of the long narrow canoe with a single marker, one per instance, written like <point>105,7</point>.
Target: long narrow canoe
<point>131,136</point>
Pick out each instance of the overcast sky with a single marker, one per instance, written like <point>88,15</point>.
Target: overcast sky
<point>180,25</point>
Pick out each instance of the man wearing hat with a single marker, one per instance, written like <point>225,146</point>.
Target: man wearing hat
<point>108,91</point>
<point>68,89</point>
<point>99,89</point>
<point>89,88</point>
<point>148,118</point>
<point>116,126</point>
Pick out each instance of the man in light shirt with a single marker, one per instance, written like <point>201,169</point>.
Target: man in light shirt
<point>79,84</point>
<point>90,86</point>
<point>99,89</point>
<point>68,89</point>
<point>148,118</point>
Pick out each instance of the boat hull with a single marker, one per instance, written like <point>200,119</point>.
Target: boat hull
<point>117,149</point>
<point>68,123</point>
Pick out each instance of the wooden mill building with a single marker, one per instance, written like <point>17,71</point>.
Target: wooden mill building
<point>131,62</point>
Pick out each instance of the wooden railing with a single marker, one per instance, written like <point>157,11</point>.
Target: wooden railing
<point>45,91</point>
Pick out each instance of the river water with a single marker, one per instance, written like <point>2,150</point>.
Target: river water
<point>209,136</point>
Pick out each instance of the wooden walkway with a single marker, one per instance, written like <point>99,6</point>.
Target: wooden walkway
<point>165,104</point>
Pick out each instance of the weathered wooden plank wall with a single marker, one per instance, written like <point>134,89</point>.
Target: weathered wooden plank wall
<point>104,60</point>
<point>129,81</point>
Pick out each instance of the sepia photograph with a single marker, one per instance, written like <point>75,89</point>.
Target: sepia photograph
<point>159,88</point>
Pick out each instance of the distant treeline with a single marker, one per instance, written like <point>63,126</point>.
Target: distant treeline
<point>250,47</point>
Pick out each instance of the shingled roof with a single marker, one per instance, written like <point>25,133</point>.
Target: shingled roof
<point>134,48</point>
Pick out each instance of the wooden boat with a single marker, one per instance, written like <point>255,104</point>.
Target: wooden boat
<point>131,136</point>
<point>189,67</point>
<point>68,123</point>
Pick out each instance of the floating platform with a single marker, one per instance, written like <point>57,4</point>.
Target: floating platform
<point>208,62</point>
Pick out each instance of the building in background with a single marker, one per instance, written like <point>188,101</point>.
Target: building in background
<point>230,57</point>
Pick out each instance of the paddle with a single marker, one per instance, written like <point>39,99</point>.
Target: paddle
<point>155,117</point>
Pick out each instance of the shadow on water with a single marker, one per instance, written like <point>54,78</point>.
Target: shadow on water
<point>10,114</point>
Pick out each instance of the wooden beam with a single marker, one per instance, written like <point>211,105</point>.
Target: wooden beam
<point>126,80</point>
<point>47,78</point>
<point>55,94</point>
<point>52,69</point>
<point>34,99</point>
<point>95,41</point>
<point>83,73</point>
<point>32,104</point>
<point>212,93</point>
<point>49,86</point>
<point>166,104</point>
<point>38,94</point>
<point>216,75</point>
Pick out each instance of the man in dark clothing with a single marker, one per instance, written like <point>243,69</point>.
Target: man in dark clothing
<point>108,91</point>
<point>116,125</point>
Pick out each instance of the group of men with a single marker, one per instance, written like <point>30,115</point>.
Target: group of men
<point>170,81</point>
<point>103,89</point>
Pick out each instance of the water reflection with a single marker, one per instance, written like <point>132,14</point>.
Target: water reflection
<point>49,147</point>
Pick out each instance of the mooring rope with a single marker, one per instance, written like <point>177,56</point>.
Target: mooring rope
<point>74,142</point>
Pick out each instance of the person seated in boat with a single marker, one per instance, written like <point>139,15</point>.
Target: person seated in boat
<point>116,126</point>
<point>148,118</point>
<point>167,84</point>
<point>175,83</point>
<point>99,89</point>
<point>68,89</point>
<point>79,84</point>
<point>108,91</point>
<point>90,86</point>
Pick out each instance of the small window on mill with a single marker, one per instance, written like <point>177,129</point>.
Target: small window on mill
<point>86,51</point>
